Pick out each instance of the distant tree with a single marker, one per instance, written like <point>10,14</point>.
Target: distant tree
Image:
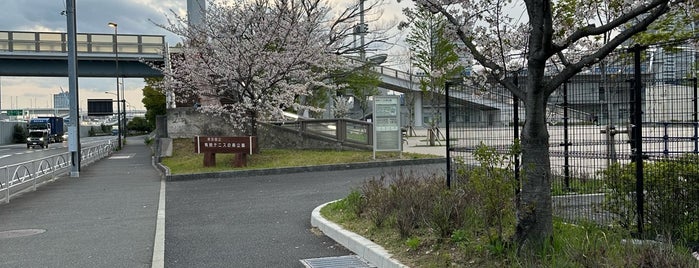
<point>139,124</point>
<point>361,83</point>
<point>19,134</point>
<point>434,56</point>
<point>153,100</point>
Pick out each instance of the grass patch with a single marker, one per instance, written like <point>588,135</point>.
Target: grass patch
<point>185,161</point>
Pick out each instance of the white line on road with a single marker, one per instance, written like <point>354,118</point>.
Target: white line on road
<point>3,156</point>
<point>158,260</point>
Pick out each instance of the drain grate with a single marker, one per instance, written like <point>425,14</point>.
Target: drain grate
<point>351,261</point>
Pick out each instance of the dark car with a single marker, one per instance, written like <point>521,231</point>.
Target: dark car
<point>38,138</point>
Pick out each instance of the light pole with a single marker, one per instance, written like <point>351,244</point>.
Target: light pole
<point>116,74</point>
<point>121,102</point>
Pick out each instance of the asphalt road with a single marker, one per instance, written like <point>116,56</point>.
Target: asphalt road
<point>259,221</point>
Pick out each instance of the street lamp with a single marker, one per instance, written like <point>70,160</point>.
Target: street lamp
<point>116,74</point>
<point>123,102</point>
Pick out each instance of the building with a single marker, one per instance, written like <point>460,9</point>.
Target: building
<point>61,101</point>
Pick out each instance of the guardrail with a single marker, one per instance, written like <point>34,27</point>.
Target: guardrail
<point>20,177</point>
<point>94,43</point>
<point>342,130</point>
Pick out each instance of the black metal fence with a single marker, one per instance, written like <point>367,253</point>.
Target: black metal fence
<point>622,153</point>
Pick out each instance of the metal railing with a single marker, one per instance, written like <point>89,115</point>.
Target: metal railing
<point>21,177</point>
<point>95,44</point>
<point>341,129</point>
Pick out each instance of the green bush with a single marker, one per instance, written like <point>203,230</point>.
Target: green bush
<point>19,135</point>
<point>671,191</point>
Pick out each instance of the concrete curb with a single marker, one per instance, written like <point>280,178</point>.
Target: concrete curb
<point>274,171</point>
<point>361,246</point>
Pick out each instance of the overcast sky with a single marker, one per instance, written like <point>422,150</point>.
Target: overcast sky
<point>132,16</point>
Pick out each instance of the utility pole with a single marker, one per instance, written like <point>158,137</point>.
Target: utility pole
<point>74,127</point>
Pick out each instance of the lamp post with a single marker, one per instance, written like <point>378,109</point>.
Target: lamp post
<point>121,102</point>
<point>116,74</point>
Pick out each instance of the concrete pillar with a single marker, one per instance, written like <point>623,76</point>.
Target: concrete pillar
<point>418,108</point>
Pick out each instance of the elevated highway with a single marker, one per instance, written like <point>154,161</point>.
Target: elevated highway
<point>45,54</point>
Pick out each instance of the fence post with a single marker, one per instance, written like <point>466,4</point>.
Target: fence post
<point>515,109</point>
<point>341,130</point>
<point>566,141</point>
<point>446,91</point>
<point>696,120</point>
<point>637,133</point>
<point>666,140</point>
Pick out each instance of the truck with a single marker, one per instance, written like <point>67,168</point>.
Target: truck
<point>51,126</point>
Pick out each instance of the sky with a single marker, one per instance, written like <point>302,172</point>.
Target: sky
<point>132,16</point>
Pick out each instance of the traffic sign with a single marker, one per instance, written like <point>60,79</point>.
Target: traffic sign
<point>14,112</point>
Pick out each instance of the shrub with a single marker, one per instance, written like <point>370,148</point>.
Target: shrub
<point>671,191</point>
<point>492,187</point>
<point>355,202</point>
<point>410,199</point>
<point>19,135</point>
<point>378,206</point>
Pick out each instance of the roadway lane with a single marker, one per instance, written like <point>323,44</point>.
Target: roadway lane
<point>16,153</point>
<point>255,221</point>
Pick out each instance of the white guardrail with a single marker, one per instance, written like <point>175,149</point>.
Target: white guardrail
<point>25,176</point>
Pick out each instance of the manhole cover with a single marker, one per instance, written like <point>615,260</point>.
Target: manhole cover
<point>20,233</point>
<point>352,261</point>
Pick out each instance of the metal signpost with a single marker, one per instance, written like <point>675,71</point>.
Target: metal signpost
<point>386,119</point>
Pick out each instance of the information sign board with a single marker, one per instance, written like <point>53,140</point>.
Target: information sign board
<point>387,133</point>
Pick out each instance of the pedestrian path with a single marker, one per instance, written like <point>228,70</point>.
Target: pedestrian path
<point>419,144</point>
<point>104,218</point>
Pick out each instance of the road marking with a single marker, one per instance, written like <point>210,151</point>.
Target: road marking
<point>121,156</point>
<point>158,260</point>
<point>3,156</point>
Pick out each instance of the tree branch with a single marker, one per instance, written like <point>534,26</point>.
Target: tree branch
<point>591,30</point>
<point>572,69</point>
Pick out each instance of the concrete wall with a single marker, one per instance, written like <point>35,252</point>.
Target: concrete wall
<point>187,122</point>
<point>272,136</point>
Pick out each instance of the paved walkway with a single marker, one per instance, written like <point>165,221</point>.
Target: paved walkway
<point>104,218</point>
<point>420,144</point>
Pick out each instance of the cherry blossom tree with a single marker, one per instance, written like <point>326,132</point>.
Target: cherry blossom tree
<point>563,33</point>
<point>252,60</point>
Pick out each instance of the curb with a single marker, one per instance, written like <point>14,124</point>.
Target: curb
<point>361,246</point>
<point>275,171</point>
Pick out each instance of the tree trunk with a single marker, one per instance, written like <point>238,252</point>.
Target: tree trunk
<point>252,131</point>
<point>534,208</point>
